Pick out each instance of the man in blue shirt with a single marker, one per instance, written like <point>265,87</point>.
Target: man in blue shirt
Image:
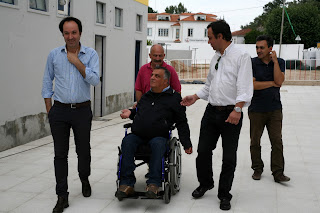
<point>73,67</point>
<point>266,108</point>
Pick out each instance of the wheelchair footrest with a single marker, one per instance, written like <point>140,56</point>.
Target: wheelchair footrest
<point>142,195</point>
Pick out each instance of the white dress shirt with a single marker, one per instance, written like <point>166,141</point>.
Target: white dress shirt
<point>232,82</point>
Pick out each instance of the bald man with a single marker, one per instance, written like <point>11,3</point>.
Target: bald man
<point>156,55</point>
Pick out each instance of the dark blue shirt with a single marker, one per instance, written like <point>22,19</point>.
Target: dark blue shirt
<point>265,100</point>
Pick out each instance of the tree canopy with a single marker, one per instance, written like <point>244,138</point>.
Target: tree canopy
<point>304,16</point>
<point>176,9</point>
<point>150,10</point>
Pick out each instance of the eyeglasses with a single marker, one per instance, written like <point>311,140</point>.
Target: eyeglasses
<point>217,64</point>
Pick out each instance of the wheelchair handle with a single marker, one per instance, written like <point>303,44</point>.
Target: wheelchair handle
<point>128,125</point>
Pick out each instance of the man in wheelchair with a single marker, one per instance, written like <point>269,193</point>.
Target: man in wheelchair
<point>156,112</point>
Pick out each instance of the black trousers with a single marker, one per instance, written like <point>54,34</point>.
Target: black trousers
<point>212,126</point>
<point>61,120</point>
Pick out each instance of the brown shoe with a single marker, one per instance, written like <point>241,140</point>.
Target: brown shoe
<point>256,175</point>
<point>124,191</point>
<point>281,178</point>
<point>152,191</point>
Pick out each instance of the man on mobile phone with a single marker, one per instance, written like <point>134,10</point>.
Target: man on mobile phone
<point>266,108</point>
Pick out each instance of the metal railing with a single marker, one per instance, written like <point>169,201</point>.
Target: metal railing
<point>296,70</point>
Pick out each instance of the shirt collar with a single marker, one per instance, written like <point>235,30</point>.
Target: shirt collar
<point>164,64</point>
<point>261,62</point>
<point>165,89</point>
<point>227,50</point>
<point>82,49</point>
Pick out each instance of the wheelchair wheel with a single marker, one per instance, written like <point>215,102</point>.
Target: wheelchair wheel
<point>175,165</point>
<point>167,193</point>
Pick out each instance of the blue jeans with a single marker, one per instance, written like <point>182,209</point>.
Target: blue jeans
<point>129,146</point>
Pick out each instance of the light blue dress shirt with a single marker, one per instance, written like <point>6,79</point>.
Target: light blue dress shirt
<point>69,84</point>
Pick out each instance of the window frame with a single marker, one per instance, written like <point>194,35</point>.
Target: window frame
<point>120,18</point>
<point>177,33</point>
<point>149,29</point>
<point>163,32</point>
<point>190,32</point>
<point>67,6</point>
<point>45,2</point>
<point>139,23</point>
<point>206,32</point>
<point>6,4</point>
<point>13,1</point>
<point>103,13</point>
<point>39,11</point>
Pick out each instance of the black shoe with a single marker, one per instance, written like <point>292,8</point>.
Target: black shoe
<point>256,175</point>
<point>225,204</point>
<point>86,188</point>
<point>201,190</point>
<point>61,204</point>
<point>281,178</point>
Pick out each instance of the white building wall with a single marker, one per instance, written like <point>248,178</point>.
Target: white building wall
<point>156,25</point>
<point>238,39</point>
<point>198,31</point>
<point>204,52</point>
<point>26,38</point>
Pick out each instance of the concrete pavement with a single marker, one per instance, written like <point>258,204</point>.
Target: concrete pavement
<point>27,182</point>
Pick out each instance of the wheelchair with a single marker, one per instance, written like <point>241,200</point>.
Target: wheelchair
<point>171,166</point>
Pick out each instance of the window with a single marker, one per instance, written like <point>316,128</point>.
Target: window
<point>163,32</point>
<point>190,32</point>
<point>205,32</point>
<point>100,13</point>
<point>64,7</point>
<point>119,17</point>
<point>163,18</point>
<point>177,33</point>
<point>149,32</point>
<point>7,1</point>
<point>38,5</point>
<point>139,23</point>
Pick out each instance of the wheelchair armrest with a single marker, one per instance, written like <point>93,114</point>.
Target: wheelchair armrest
<point>128,125</point>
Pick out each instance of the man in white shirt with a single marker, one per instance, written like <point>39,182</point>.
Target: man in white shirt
<point>228,89</point>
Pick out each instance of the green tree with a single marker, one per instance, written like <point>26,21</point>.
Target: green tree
<point>176,9</point>
<point>272,5</point>
<point>181,9</point>
<point>171,9</point>
<point>305,18</point>
<point>150,10</point>
<point>250,38</point>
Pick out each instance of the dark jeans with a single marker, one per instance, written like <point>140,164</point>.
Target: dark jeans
<point>273,122</point>
<point>129,146</point>
<point>61,119</point>
<point>212,126</point>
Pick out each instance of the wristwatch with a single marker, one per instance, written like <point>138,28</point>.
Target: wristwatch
<point>237,109</point>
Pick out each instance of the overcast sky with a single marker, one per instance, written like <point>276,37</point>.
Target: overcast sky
<point>235,12</point>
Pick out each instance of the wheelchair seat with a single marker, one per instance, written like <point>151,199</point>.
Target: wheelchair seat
<point>143,152</point>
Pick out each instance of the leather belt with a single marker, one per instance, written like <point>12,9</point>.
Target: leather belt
<point>73,106</point>
<point>223,108</point>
